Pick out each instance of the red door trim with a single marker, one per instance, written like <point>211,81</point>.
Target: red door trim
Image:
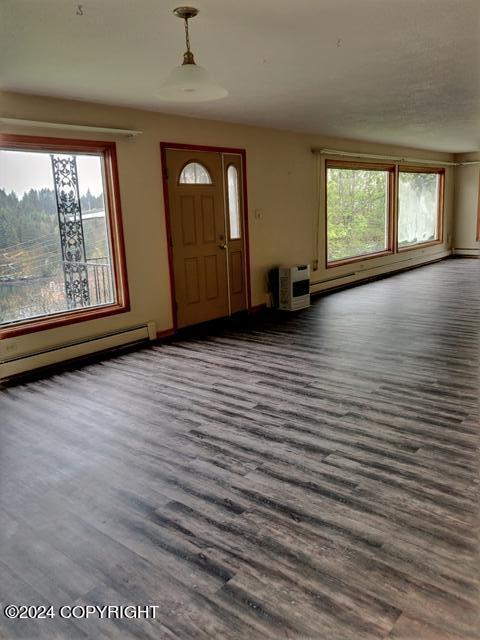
<point>163,155</point>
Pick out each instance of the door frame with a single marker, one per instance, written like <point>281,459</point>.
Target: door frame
<point>164,146</point>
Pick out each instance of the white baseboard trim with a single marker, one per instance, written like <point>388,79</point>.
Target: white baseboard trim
<point>357,275</point>
<point>467,252</point>
<point>15,365</point>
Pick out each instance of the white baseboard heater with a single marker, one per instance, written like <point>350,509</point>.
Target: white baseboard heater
<point>470,252</point>
<point>16,364</point>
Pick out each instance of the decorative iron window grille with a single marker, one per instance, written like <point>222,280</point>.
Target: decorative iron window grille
<point>65,176</point>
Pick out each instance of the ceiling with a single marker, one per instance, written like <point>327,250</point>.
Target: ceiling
<point>395,71</point>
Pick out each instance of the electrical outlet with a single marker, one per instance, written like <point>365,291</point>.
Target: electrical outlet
<point>314,265</point>
<point>258,214</point>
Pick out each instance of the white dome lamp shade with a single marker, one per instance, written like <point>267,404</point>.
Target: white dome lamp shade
<point>189,82</point>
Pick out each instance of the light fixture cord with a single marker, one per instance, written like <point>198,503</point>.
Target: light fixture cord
<point>188,55</point>
<point>187,36</point>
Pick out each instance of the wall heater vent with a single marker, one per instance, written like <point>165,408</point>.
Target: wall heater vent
<point>294,287</point>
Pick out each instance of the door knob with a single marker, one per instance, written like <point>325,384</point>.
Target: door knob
<point>222,246</point>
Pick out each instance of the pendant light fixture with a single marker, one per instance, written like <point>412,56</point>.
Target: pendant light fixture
<point>189,82</point>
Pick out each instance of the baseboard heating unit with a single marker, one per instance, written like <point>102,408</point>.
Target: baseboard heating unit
<point>12,365</point>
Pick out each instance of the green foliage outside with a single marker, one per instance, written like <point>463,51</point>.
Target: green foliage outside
<point>357,205</point>
<point>31,267</point>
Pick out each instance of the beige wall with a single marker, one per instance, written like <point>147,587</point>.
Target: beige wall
<point>281,186</point>
<point>466,206</point>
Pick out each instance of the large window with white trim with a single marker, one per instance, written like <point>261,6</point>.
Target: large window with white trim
<point>61,249</point>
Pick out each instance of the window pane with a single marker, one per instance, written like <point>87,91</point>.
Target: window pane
<point>357,212</point>
<point>418,208</point>
<point>54,244</point>
<point>195,173</point>
<point>233,203</point>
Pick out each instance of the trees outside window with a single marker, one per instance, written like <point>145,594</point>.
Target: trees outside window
<point>61,250</point>
<point>358,211</point>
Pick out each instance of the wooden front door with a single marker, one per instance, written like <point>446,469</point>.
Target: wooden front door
<point>209,278</point>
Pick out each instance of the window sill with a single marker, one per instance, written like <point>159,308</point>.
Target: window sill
<point>420,245</point>
<point>60,320</point>
<point>367,256</point>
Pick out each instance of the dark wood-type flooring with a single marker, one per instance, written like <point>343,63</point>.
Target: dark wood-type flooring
<point>308,476</point>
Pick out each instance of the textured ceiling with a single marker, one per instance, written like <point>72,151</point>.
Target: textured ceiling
<point>396,71</point>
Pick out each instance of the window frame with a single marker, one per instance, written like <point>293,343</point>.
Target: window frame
<point>391,227</point>
<point>477,235</point>
<point>15,142</point>
<point>440,206</point>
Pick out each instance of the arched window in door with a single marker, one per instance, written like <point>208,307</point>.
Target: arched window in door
<point>195,173</point>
